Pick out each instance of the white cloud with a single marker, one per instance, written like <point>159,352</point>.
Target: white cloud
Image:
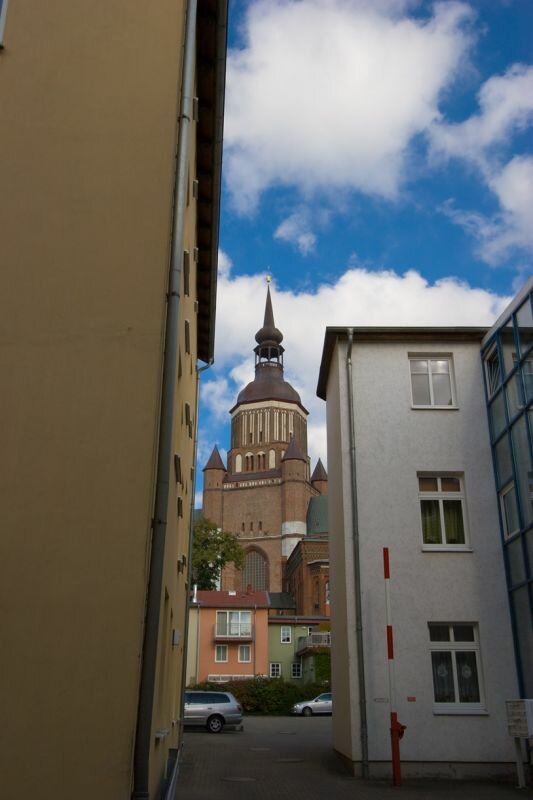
<point>217,396</point>
<point>359,297</point>
<point>505,106</point>
<point>511,228</point>
<point>330,93</point>
<point>224,264</point>
<point>296,230</point>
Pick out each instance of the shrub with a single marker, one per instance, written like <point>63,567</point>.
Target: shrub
<point>266,695</point>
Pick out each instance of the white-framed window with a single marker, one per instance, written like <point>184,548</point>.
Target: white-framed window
<point>275,669</point>
<point>455,666</point>
<point>234,623</point>
<point>432,381</point>
<point>493,371</point>
<point>245,654</point>
<point>286,634</point>
<point>3,13</point>
<point>221,653</point>
<point>296,670</point>
<point>442,512</point>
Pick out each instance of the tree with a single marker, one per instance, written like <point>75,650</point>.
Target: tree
<point>212,549</point>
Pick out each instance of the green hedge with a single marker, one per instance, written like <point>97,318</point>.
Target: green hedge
<point>266,695</point>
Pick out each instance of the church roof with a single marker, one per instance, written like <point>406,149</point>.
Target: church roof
<point>317,516</point>
<point>216,599</point>
<point>282,600</point>
<point>269,383</point>
<point>215,461</point>
<point>269,335</point>
<point>293,451</point>
<point>319,473</point>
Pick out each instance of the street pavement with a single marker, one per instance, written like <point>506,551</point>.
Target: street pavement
<point>291,758</point>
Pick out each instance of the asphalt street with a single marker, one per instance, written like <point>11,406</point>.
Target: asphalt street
<point>288,758</point>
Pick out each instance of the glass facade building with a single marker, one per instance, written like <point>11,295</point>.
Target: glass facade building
<point>507,353</point>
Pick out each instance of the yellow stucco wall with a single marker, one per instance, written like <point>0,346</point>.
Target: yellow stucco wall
<point>88,111</point>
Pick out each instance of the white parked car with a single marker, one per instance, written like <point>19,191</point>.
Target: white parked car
<point>323,704</point>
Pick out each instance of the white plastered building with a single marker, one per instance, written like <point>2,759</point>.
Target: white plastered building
<point>410,469</point>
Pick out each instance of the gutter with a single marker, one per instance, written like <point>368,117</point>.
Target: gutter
<point>143,735</point>
<point>357,564</point>
<point>199,370</point>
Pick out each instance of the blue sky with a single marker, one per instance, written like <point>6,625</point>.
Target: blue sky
<point>378,163</point>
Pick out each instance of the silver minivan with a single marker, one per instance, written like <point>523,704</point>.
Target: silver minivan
<point>211,709</point>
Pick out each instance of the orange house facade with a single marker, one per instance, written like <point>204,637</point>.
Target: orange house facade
<point>228,636</point>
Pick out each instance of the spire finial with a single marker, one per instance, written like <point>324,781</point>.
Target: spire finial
<point>269,337</point>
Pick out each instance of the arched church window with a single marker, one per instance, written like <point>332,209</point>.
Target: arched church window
<point>255,571</point>
<point>238,463</point>
<point>271,459</point>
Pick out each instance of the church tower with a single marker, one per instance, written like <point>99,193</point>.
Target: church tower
<point>263,494</point>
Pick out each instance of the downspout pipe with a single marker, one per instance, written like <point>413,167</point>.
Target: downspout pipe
<point>141,775</point>
<point>199,371</point>
<point>357,563</point>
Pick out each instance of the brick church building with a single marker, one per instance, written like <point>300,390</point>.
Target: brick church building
<point>265,493</point>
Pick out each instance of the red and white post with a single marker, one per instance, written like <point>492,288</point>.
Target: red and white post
<point>396,728</point>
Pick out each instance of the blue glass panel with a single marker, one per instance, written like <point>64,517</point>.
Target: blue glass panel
<point>509,350</point>
<point>513,391</point>
<point>524,319</point>
<point>521,602</point>
<point>502,454</point>
<point>515,558</point>
<point>497,415</point>
<point>524,469</point>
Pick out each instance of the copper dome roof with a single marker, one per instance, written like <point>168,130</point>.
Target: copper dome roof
<point>268,384</point>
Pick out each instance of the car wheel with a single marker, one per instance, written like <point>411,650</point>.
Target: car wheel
<point>307,712</point>
<point>215,724</point>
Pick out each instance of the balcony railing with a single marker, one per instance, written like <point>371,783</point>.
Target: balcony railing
<point>233,631</point>
<point>314,641</point>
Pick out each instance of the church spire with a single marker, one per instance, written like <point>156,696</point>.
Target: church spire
<point>269,338</point>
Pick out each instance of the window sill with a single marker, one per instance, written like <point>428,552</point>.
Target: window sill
<point>434,408</point>
<point>464,711</point>
<point>447,548</point>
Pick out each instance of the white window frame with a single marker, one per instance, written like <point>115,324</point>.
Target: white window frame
<point>275,669</point>
<point>439,495</point>
<point>242,648</point>
<point>429,357</point>
<point>221,649</point>
<point>3,14</point>
<point>286,634</point>
<point>238,623</point>
<point>508,533</point>
<point>455,647</point>
<point>494,378</point>
<point>296,669</point>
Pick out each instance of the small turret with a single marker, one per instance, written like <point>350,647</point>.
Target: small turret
<point>319,478</point>
<point>215,461</point>
<point>214,474</point>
